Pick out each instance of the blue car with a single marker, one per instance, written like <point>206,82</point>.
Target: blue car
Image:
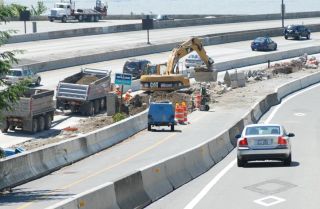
<point>161,114</point>
<point>263,44</point>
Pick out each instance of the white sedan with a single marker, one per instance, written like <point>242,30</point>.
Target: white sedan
<point>193,60</point>
<point>264,142</point>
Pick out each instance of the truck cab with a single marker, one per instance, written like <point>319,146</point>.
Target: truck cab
<point>61,11</point>
<point>161,114</point>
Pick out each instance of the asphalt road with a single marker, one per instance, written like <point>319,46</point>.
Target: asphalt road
<point>142,149</point>
<point>69,47</point>
<point>219,53</point>
<point>47,26</point>
<point>267,184</point>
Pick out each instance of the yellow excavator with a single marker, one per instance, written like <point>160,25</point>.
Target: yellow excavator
<point>170,80</point>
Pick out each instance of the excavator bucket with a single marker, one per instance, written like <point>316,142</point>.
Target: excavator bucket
<point>203,74</point>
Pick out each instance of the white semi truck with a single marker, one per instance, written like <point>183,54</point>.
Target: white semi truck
<point>66,10</point>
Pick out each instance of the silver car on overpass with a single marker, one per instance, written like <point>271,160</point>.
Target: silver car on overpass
<point>264,142</point>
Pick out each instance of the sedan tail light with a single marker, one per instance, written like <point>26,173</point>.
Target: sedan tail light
<point>282,141</point>
<point>243,142</point>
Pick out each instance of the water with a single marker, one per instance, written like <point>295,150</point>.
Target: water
<point>192,6</point>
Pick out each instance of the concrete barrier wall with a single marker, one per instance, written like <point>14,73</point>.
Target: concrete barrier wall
<point>101,197</point>
<point>183,21</point>
<point>207,40</point>
<point>130,192</point>
<point>151,183</point>
<point>30,165</point>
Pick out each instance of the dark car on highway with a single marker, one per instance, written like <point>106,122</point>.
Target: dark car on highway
<point>135,67</point>
<point>296,32</point>
<point>263,44</point>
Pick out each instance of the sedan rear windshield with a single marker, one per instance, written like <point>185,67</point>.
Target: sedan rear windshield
<point>15,73</point>
<point>263,130</point>
<point>292,27</point>
<point>261,40</point>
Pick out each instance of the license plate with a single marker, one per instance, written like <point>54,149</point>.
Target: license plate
<point>263,141</point>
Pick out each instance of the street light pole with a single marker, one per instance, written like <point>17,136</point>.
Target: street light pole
<point>282,12</point>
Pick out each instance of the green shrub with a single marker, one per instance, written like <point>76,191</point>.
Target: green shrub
<point>118,116</point>
<point>2,155</point>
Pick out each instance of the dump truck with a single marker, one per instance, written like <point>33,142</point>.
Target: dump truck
<point>33,112</point>
<point>66,10</point>
<point>84,92</point>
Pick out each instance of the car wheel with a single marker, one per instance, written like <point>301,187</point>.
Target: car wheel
<point>308,36</point>
<point>287,162</point>
<point>252,48</point>
<point>240,163</point>
<point>38,81</point>
<point>275,48</point>
<point>286,37</point>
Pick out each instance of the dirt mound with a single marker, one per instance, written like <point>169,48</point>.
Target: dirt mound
<point>86,80</point>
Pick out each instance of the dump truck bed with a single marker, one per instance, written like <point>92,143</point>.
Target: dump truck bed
<point>33,102</point>
<point>86,85</point>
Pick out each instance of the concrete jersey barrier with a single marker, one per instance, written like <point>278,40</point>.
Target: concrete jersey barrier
<point>151,183</point>
<point>212,39</point>
<point>183,22</point>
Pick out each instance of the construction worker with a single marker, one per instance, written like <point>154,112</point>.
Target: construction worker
<point>118,91</point>
<point>128,96</point>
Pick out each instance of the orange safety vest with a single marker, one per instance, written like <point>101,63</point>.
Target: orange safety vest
<point>127,96</point>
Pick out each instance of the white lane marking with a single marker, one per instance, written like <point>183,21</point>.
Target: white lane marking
<point>286,100</point>
<point>209,186</point>
<point>269,201</point>
<point>215,180</point>
<point>299,114</point>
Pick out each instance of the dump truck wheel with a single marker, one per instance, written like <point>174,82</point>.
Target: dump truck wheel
<point>90,109</point>
<point>34,126</point>
<point>48,122</point>
<point>103,104</point>
<point>96,106</point>
<point>41,123</point>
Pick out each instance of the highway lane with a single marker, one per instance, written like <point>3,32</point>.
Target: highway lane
<point>262,185</point>
<point>67,47</point>
<point>138,151</point>
<point>219,53</point>
<point>47,26</point>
